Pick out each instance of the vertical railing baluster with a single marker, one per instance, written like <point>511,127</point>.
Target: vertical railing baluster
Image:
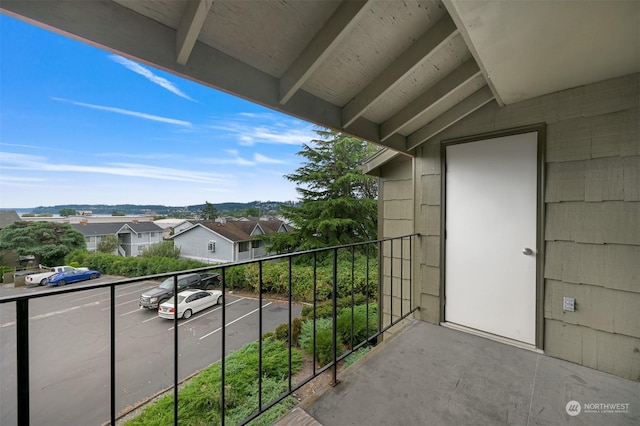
<point>380,256</point>
<point>175,350</point>
<point>391,282</point>
<point>315,305</point>
<point>410,272</point>
<point>366,297</point>
<point>260,336</point>
<point>223,359</point>
<point>401,277</point>
<point>22,360</point>
<point>353,277</point>
<point>290,318</point>
<point>112,361</point>
<point>335,317</point>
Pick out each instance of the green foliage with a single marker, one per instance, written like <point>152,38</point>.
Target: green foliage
<point>355,320</point>
<point>118,213</point>
<point>162,249</point>
<point>325,309</point>
<point>200,401</point>
<point>50,241</point>
<point>282,331</point>
<point>110,264</point>
<point>355,356</point>
<point>67,212</point>
<point>45,215</point>
<point>323,342</point>
<point>338,200</point>
<point>208,212</point>
<point>28,215</point>
<point>108,244</point>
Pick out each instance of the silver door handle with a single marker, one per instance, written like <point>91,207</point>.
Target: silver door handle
<point>527,251</point>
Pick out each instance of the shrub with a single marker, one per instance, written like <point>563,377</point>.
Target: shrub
<point>163,249</point>
<point>355,356</point>
<point>362,329</point>
<point>282,332</point>
<point>325,309</point>
<point>324,340</point>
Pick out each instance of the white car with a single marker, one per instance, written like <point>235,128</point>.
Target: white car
<point>190,302</point>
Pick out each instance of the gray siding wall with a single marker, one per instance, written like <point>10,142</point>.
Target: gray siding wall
<point>193,245</point>
<point>592,223</point>
<point>396,219</point>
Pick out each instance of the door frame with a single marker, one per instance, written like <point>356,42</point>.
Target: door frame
<point>540,214</point>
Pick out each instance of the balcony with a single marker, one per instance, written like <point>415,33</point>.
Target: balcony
<point>389,264</point>
<point>417,373</point>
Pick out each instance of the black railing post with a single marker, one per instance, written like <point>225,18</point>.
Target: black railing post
<point>335,317</point>
<point>353,278</point>
<point>290,318</point>
<point>112,361</point>
<point>366,297</point>
<point>401,276</point>
<point>315,305</point>
<point>391,281</point>
<point>222,346</point>
<point>22,364</point>
<point>175,350</point>
<point>260,339</point>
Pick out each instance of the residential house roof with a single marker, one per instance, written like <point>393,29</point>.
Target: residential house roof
<point>238,231</point>
<point>112,228</point>
<point>7,217</point>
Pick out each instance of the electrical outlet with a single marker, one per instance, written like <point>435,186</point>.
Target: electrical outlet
<point>569,304</point>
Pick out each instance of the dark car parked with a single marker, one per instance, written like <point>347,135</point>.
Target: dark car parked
<point>154,297</point>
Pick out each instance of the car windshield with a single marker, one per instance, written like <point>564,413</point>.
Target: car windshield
<point>167,284</point>
<point>170,300</point>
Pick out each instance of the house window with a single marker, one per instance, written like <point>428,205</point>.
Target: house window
<point>255,244</point>
<point>89,239</point>
<point>211,246</point>
<point>152,234</point>
<point>244,246</point>
<point>139,236</point>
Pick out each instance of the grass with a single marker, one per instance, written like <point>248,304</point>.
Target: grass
<point>200,401</point>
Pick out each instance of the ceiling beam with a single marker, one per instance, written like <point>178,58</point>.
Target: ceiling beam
<point>330,36</point>
<point>418,52</point>
<point>438,93</point>
<point>191,22</point>
<point>449,118</point>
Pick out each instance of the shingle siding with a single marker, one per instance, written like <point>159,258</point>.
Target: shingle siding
<point>591,223</point>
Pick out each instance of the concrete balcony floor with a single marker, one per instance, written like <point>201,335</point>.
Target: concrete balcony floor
<point>432,375</point>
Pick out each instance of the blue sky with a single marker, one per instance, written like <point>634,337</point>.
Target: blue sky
<point>82,125</point>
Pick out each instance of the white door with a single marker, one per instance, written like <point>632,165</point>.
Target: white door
<point>490,263</point>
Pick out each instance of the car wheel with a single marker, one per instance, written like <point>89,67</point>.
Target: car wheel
<point>61,282</point>
<point>209,287</point>
<point>93,276</point>
<point>187,314</point>
<point>43,281</point>
<point>219,300</point>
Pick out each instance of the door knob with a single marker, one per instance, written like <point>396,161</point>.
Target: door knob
<point>527,251</point>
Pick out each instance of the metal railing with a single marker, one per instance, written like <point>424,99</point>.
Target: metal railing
<point>393,268</point>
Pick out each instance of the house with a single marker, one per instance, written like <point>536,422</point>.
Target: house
<point>172,226</point>
<point>226,241</point>
<point>7,217</point>
<point>133,237</point>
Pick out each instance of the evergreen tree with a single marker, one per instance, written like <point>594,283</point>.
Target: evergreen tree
<point>208,212</point>
<point>338,201</point>
<point>48,240</point>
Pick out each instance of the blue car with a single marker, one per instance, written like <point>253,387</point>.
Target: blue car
<point>73,276</point>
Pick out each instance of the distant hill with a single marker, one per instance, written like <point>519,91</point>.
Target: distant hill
<point>265,207</point>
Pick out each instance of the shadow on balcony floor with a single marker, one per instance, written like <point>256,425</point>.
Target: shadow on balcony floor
<point>431,375</point>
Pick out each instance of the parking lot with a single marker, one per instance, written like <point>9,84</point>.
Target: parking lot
<point>70,346</point>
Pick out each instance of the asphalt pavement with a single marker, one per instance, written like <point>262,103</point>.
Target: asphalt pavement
<point>70,346</point>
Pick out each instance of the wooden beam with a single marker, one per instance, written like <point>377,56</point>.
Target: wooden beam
<point>452,116</point>
<point>436,94</point>
<point>418,52</point>
<point>191,22</point>
<point>323,44</point>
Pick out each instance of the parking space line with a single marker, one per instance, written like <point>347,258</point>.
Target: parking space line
<point>208,312</point>
<point>236,320</point>
<point>105,292</point>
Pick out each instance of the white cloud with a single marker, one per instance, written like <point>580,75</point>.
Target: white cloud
<point>127,112</point>
<point>263,159</point>
<point>249,129</point>
<point>149,75</point>
<point>13,161</point>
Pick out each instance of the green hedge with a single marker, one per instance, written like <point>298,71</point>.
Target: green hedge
<point>200,401</point>
<point>110,264</point>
